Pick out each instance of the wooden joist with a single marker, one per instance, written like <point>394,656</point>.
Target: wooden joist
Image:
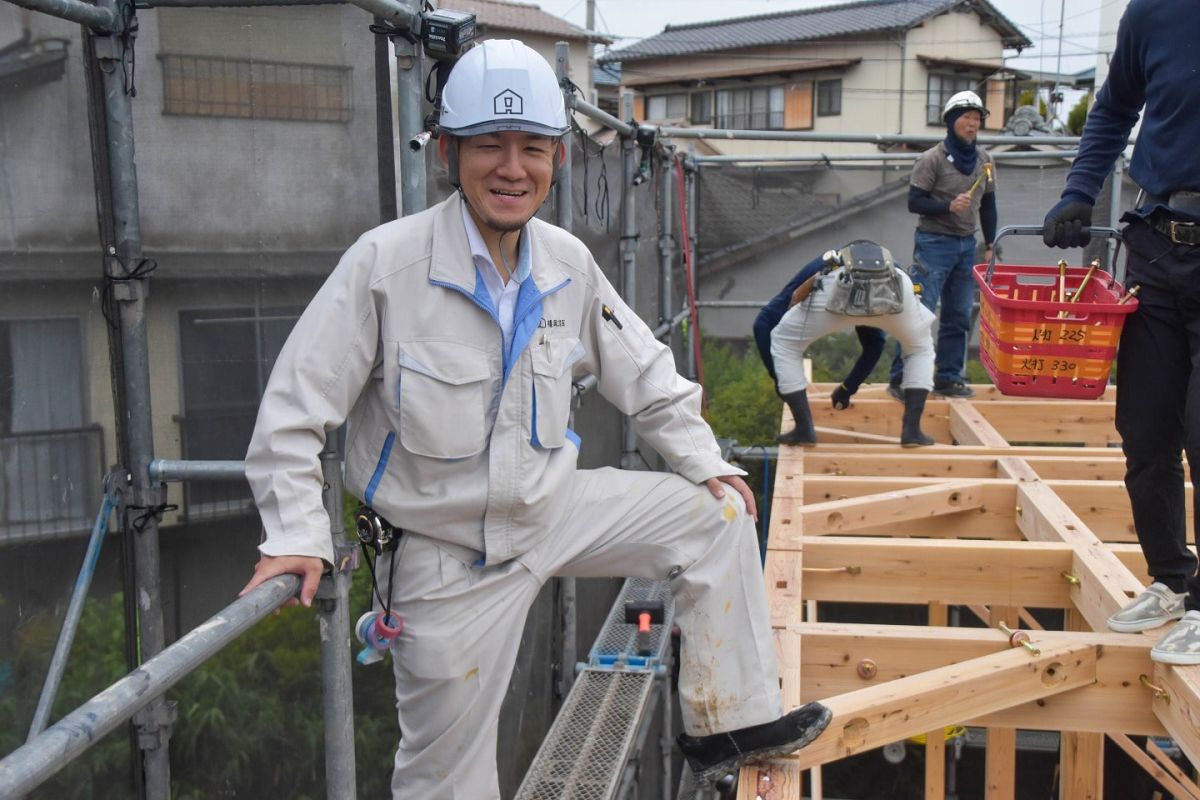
<point>1025,510</point>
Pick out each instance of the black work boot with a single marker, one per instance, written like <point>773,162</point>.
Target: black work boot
<point>840,397</point>
<point>804,434</point>
<point>712,757</point>
<point>911,434</point>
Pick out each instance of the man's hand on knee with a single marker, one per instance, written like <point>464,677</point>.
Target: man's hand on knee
<point>717,487</point>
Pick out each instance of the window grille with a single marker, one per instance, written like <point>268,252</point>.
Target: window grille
<point>203,86</point>
<point>829,98</point>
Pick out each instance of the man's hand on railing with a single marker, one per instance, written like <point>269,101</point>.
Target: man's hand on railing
<point>309,568</point>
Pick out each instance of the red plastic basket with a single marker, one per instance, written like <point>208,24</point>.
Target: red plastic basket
<point>1035,344</point>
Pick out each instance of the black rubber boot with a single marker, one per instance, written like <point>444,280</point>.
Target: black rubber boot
<point>804,434</point>
<point>840,397</point>
<point>911,434</point>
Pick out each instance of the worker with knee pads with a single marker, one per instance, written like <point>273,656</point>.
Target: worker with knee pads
<point>860,285</point>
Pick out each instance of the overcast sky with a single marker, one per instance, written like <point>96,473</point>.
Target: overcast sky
<point>1037,19</point>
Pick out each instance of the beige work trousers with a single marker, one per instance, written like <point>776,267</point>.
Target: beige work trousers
<point>809,320</point>
<point>463,623</point>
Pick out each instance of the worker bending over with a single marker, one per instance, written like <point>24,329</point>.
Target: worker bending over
<point>450,340</point>
<point>861,287</point>
<point>870,340</point>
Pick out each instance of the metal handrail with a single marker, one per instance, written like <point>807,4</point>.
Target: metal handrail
<point>33,763</point>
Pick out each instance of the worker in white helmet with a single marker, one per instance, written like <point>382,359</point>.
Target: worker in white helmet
<point>952,184</point>
<point>450,340</point>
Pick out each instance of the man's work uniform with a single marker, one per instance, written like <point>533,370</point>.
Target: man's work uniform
<point>460,437</point>
<point>809,320</point>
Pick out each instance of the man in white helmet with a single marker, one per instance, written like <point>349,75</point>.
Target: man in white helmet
<point>952,184</point>
<point>449,340</point>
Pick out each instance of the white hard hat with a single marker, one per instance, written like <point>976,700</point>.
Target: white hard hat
<point>966,100</point>
<point>502,85</point>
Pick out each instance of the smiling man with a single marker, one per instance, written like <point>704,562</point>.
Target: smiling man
<point>450,340</point>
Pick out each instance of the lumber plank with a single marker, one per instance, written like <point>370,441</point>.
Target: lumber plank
<point>969,426</point>
<point>1000,762</point>
<point>1180,715</point>
<point>885,509</point>
<point>833,652</point>
<point>875,715</point>
<point>955,571</point>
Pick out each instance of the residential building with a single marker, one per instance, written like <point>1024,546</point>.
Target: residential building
<point>873,66</point>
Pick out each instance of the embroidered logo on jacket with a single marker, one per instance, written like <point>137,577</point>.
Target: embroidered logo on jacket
<point>552,323</point>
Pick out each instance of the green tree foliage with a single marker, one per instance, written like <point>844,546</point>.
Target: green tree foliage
<point>1078,115</point>
<point>250,720</point>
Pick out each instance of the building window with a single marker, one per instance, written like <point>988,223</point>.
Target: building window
<point>942,88</point>
<point>667,106</point>
<point>226,357</point>
<point>226,87</point>
<point>756,109</point>
<point>829,98</point>
<point>50,461</point>
<point>701,108</point>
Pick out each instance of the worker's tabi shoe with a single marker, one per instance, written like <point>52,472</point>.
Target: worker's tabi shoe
<point>713,756</point>
<point>1181,645</point>
<point>952,389</point>
<point>1156,606</point>
<point>804,434</point>
<point>911,434</point>
<point>894,391</point>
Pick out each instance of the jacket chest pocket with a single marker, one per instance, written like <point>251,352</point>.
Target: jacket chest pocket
<point>444,395</point>
<point>552,362</point>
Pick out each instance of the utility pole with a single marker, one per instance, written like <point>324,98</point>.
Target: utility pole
<point>591,51</point>
<point>1056,94</point>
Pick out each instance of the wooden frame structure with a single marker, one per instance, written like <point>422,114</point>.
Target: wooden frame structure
<point>1021,505</point>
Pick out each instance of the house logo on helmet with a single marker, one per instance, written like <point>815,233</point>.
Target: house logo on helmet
<point>508,102</point>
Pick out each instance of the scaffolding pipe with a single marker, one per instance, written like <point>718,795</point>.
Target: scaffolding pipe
<point>1114,218</point>
<point>628,251</point>
<point>600,115</point>
<point>124,259</point>
<point>689,176</point>
<point>333,618</point>
<point>850,138</point>
<point>1003,155</point>
<point>33,763</point>
<point>567,591</point>
<point>140,4</point>
<point>167,469</point>
<point>563,213</point>
<point>410,88</point>
<point>98,18</point>
<point>398,13</point>
<point>66,635</point>
<point>666,241</point>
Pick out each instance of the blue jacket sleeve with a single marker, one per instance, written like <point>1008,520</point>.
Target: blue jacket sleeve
<point>922,202</point>
<point>1115,112</point>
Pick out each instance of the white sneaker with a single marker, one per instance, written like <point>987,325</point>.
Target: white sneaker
<point>1181,645</point>
<point>1156,606</point>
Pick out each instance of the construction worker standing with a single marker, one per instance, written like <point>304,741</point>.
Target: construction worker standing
<point>952,183</point>
<point>1153,70</point>
<point>449,340</point>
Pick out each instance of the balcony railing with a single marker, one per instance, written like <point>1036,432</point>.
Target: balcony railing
<point>49,483</point>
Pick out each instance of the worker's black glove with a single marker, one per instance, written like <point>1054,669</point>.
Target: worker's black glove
<point>840,397</point>
<point>1068,224</point>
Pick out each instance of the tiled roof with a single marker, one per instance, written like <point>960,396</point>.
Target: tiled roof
<point>787,27</point>
<point>525,18</point>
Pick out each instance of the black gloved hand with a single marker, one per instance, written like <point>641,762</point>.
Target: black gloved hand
<point>1068,223</point>
<point>840,397</point>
